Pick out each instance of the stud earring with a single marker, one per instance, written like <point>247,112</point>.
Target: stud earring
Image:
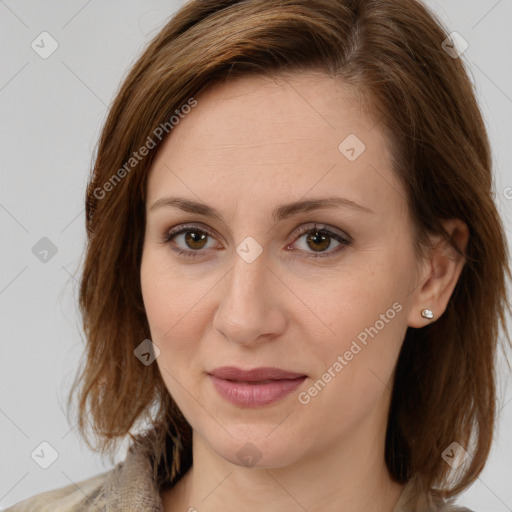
<point>427,313</point>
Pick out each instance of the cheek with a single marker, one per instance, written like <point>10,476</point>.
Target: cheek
<point>175,307</point>
<point>371,290</point>
<point>168,295</point>
<point>366,315</point>
<point>354,377</point>
<point>365,341</point>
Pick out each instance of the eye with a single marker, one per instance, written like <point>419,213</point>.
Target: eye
<point>194,239</point>
<point>321,238</point>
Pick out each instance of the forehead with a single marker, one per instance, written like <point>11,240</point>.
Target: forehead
<point>264,140</point>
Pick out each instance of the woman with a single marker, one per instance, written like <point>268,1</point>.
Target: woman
<point>295,268</point>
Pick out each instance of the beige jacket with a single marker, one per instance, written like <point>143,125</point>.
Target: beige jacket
<point>129,486</point>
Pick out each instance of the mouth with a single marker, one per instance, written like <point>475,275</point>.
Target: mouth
<point>262,374</point>
<point>254,388</point>
<point>252,381</point>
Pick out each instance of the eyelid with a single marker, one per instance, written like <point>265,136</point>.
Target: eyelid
<point>187,226</point>
<point>320,226</point>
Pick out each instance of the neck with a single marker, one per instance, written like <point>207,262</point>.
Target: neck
<point>352,477</point>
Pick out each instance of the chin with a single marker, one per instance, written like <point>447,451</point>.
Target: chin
<point>255,448</point>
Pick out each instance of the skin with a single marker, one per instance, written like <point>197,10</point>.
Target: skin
<point>249,145</point>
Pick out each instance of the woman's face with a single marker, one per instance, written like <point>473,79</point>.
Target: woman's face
<point>252,291</point>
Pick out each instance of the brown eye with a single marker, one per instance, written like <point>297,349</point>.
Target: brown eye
<point>319,239</point>
<point>187,240</point>
<point>190,240</point>
<point>195,239</point>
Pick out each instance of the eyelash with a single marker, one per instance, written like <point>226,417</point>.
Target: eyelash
<point>299,232</point>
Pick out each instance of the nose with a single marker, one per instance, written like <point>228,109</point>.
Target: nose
<point>251,307</point>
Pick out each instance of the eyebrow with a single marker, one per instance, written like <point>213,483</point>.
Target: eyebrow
<point>281,212</point>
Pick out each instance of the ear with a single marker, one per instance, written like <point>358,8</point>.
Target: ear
<point>439,274</point>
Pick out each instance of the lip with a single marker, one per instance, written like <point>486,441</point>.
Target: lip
<point>253,375</point>
<point>256,387</point>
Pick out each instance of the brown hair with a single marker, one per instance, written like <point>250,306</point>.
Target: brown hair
<point>389,52</point>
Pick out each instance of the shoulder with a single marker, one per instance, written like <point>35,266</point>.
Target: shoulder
<point>415,499</point>
<point>440,505</point>
<point>450,506</point>
<point>72,497</point>
<point>131,484</point>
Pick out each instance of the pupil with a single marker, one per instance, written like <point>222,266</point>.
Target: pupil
<point>322,238</point>
<point>194,238</point>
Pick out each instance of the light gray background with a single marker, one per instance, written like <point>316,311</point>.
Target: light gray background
<point>51,111</point>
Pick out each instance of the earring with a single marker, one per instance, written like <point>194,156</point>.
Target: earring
<point>427,313</point>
